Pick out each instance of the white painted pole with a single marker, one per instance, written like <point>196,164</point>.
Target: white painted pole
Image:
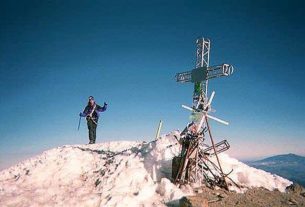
<point>219,120</point>
<point>159,129</point>
<point>188,108</point>
<point>211,98</point>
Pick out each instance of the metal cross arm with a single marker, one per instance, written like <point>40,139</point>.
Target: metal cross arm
<point>203,73</point>
<point>220,70</point>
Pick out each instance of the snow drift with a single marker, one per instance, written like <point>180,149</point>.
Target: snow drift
<point>121,173</point>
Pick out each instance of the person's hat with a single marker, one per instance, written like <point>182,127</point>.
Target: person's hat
<point>91,98</point>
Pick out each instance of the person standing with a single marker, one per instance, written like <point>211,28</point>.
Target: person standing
<point>91,112</point>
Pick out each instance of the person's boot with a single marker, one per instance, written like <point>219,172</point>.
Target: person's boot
<point>91,142</point>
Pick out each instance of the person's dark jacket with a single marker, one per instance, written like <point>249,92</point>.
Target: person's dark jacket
<point>95,114</point>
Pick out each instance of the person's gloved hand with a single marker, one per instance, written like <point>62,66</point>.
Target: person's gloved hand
<point>105,104</point>
<point>80,114</point>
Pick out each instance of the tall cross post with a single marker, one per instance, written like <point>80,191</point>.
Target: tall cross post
<point>195,157</point>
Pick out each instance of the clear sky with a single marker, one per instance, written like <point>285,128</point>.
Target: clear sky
<point>54,54</point>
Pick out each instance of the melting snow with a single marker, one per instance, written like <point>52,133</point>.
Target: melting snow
<point>103,175</point>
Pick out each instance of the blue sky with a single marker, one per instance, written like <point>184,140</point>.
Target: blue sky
<point>54,54</point>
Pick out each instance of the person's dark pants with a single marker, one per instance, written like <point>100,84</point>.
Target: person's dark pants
<point>92,131</point>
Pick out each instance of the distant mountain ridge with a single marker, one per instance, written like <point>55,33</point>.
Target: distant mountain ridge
<point>290,166</point>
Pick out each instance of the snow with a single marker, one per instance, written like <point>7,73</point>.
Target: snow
<point>250,177</point>
<point>125,173</point>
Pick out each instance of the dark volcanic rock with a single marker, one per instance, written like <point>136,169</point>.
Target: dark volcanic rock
<point>255,197</point>
<point>295,188</point>
<point>193,201</point>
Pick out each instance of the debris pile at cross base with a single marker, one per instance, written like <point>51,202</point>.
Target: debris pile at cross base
<point>123,173</point>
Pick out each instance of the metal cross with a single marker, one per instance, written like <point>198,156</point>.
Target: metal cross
<point>203,72</point>
<point>195,157</point>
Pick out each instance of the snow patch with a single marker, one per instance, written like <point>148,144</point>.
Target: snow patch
<point>249,177</point>
<point>121,173</point>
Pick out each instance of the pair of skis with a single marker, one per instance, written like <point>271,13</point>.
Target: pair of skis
<point>205,112</point>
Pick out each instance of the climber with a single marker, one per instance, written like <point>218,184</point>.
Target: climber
<point>91,112</point>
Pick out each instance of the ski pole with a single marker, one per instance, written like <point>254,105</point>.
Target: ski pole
<point>79,123</point>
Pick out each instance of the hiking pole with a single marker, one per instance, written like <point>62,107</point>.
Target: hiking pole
<point>79,123</point>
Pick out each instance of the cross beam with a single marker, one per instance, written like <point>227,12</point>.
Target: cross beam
<point>202,73</point>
